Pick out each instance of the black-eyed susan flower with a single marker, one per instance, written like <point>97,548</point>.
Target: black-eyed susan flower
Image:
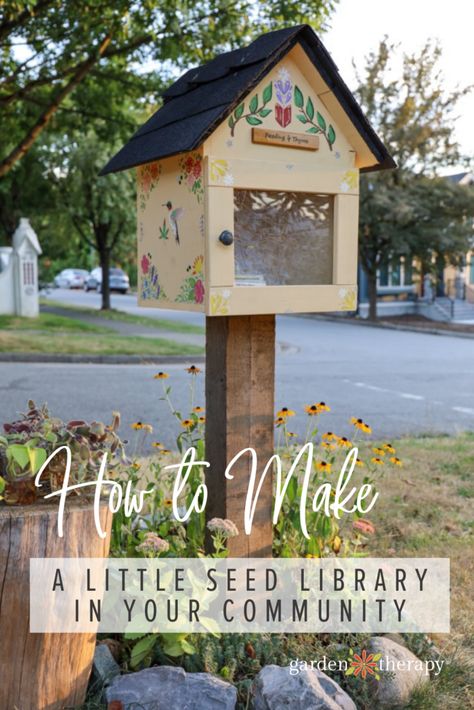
<point>285,412</point>
<point>379,451</point>
<point>168,502</point>
<point>396,461</point>
<point>198,410</point>
<point>326,445</point>
<point>312,557</point>
<point>161,376</point>
<point>376,460</point>
<point>329,436</point>
<point>157,445</point>
<point>323,466</point>
<point>187,423</point>
<point>136,426</point>
<point>323,407</point>
<point>360,463</point>
<point>291,434</point>
<point>366,428</point>
<point>358,423</point>
<point>193,370</point>
<point>164,452</point>
<point>344,442</point>
<point>311,409</point>
<point>202,420</point>
<point>135,466</point>
<point>389,448</point>
<point>279,421</point>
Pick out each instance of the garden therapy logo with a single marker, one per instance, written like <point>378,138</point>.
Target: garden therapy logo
<point>363,664</point>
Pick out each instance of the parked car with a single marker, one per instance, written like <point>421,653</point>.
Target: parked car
<point>71,278</point>
<point>118,280</point>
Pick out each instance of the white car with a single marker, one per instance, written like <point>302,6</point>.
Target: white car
<point>118,280</point>
<point>71,278</point>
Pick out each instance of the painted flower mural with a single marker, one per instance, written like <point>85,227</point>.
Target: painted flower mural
<point>190,166</point>
<point>150,287</point>
<point>192,288</point>
<point>284,93</point>
<point>148,177</point>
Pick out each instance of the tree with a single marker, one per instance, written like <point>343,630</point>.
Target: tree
<point>50,47</point>
<point>410,211</point>
<point>100,209</point>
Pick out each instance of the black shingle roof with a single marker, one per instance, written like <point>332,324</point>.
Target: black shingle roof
<point>204,96</point>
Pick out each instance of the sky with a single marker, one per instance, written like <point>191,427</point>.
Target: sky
<point>357,26</point>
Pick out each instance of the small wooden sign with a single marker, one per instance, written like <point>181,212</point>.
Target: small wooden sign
<point>285,139</point>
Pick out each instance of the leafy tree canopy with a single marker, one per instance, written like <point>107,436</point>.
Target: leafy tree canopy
<point>411,211</point>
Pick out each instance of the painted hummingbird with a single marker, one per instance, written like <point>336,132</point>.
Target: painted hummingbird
<point>174,216</point>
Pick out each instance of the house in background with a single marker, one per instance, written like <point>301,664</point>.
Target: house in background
<point>400,292</point>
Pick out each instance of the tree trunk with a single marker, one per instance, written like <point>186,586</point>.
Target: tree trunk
<point>104,255</point>
<point>372,290</point>
<point>42,671</point>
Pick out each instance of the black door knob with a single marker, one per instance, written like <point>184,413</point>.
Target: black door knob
<point>226,238</point>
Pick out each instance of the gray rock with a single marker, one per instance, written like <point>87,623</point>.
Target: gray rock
<point>396,684</point>
<point>104,666</point>
<point>275,688</point>
<point>167,687</point>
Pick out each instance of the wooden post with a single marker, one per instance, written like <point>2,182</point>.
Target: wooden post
<point>240,382</point>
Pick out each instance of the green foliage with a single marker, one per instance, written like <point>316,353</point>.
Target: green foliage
<point>411,211</point>
<point>28,442</point>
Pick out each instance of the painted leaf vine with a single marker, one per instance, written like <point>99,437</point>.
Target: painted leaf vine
<point>308,115</point>
<point>257,109</point>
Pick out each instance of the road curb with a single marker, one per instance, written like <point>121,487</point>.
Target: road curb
<point>102,359</point>
<point>388,326</point>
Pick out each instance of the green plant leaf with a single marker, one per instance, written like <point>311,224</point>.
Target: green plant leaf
<point>19,453</point>
<point>231,122</point>
<point>267,93</point>
<point>239,111</point>
<point>2,485</point>
<point>37,457</point>
<point>253,105</point>
<point>309,109</point>
<point>331,135</point>
<point>313,129</point>
<point>350,670</point>
<point>302,118</point>
<point>321,121</point>
<point>264,112</point>
<point>253,120</point>
<point>141,650</point>
<point>299,99</point>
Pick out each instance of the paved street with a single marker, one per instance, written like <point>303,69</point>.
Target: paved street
<point>399,382</point>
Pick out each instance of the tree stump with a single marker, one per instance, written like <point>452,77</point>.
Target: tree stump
<point>43,671</point>
<point>240,383</point>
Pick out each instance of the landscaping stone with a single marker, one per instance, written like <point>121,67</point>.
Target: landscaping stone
<point>165,687</point>
<point>104,667</point>
<point>275,688</point>
<point>396,684</point>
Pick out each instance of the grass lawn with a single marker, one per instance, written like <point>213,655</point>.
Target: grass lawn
<point>161,323</point>
<point>426,509</point>
<point>50,333</point>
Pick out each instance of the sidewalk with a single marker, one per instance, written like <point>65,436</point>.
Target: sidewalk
<point>407,324</point>
<point>132,330</point>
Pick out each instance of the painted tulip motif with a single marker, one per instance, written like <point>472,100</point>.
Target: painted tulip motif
<point>284,94</point>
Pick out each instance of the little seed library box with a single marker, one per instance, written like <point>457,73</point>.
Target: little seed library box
<point>248,183</point>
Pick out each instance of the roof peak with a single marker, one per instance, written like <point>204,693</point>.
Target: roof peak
<point>204,96</point>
